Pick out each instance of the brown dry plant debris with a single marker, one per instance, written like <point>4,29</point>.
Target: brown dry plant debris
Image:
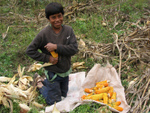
<point>138,93</point>
<point>132,47</point>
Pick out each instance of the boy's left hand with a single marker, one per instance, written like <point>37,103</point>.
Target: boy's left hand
<point>50,47</point>
<point>53,60</point>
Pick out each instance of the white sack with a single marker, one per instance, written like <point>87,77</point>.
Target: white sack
<point>78,83</point>
<point>73,97</point>
<point>98,73</point>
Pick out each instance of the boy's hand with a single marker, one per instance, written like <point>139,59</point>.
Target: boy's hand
<point>51,47</point>
<point>53,60</point>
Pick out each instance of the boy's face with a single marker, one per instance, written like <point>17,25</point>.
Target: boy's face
<point>56,20</point>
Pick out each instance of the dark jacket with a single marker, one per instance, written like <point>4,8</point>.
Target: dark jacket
<point>66,47</point>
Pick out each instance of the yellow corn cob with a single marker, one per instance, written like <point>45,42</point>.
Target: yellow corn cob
<point>83,97</point>
<point>118,108</point>
<point>115,106</point>
<point>54,54</point>
<point>105,83</point>
<point>103,90</point>
<point>95,88</point>
<point>109,101</point>
<point>98,86</point>
<point>105,98</point>
<point>113,98</point>
<point>95,97</point>
<point>110,92</point>
<point>90,94</point>
<point>101,101</point>
<point>117,103</point>
<point>88,90</point>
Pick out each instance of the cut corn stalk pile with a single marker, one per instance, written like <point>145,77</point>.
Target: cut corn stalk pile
<point>139,88</point>
<point>18,89</point>
<point>103,93</point>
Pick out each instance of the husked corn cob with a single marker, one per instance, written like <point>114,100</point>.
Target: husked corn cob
<point>83,96</point>
<point>105,83</point>
<point>109,101</point>
<point>113,98</point>
<point>118,108</point>
<point>103,90</point>
<point>105,98</point>
<point>117,103</point>
<point>95,97</point>
<point>54,54</point>
<point>88,90</point>
<point>99,86</point>
<point>110,92</point>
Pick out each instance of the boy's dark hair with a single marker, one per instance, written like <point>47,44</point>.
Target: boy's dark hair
<point>53,8</point>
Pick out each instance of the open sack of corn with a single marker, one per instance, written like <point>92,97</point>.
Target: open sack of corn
<point>78,83</point>
<point>103,85</point>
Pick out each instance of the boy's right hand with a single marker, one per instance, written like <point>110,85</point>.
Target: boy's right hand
<point>53,60</point>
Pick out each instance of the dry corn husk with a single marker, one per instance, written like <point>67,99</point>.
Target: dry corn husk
<point>18,90</point>
<point>78,65</point>
<point>55,110</point>
<point>37,66</point>
<point>4,79</point>
<point>37,104</point>
<point>24,108</point>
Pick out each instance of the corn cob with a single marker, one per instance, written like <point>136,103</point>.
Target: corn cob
<point>83,97</point>
<point>88,90</point>
<point>105,98</point>
<point>98,86</point>
<point>117,103</point>
<point>110,92</point>
<point>54,54</point>
<point>104,90</point>
<point>118,108</point>
<point>105,83</point>
<point>95,97</point>
<point>113,98</point>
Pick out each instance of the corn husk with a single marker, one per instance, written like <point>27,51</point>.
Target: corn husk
<point>37,104</point>
<point>18,89</point>
<point>38,66</point>
<point>4,79</point>
<point>55,110</point>
<point>24,108</point>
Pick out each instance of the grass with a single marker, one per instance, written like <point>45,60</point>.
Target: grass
<point>90,107</point>
<point>21,33</point>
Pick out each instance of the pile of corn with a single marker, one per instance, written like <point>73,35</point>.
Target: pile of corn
<point>103,93</point>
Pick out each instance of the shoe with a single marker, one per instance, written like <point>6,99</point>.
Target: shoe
<point>37,80</point>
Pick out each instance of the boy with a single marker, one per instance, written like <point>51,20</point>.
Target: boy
<point>57,38</point>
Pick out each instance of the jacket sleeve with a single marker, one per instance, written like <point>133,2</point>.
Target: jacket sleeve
<point>33,50</point>
<point>69,49</point>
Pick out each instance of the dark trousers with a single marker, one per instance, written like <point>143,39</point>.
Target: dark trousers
<point>52,91</point>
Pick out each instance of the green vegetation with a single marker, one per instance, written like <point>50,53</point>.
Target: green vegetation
<point>90,107</point>
<point>20,18</point>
